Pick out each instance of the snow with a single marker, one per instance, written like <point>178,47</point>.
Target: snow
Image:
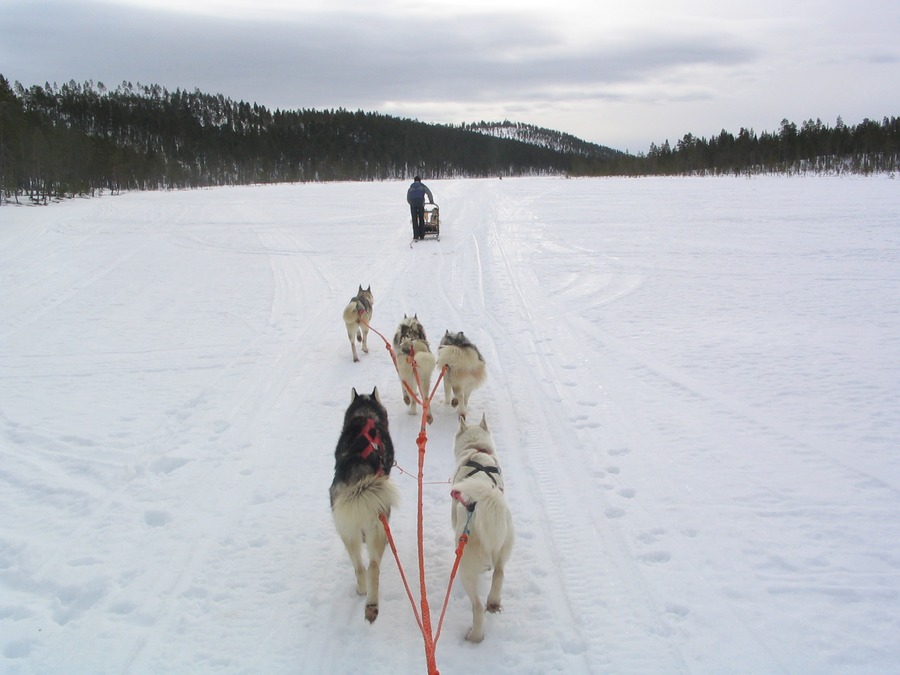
<point>693,385</point>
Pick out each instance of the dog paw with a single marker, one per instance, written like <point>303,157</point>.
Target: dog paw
<point>430,418</point>
<point>494,607</point>
<point>371,613</point>
<point>474,636</point>
<point>454,402</point>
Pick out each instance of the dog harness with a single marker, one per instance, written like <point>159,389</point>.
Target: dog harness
<point>489,470</point>
<point>370,433</point>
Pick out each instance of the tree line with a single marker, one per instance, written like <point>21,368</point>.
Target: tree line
<point>814,147</point>
<point>75,139</point>
<point>83,138</point>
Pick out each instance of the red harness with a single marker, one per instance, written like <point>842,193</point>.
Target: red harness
<point>370,433</point>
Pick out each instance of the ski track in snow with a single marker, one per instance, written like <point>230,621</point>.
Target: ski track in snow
<point>691,385</point>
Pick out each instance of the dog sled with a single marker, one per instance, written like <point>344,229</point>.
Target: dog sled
<point>432,222</point>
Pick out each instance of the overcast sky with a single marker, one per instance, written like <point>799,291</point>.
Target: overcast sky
<point>622,74</point>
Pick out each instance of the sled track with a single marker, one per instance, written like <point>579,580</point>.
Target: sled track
<point>576,539</point>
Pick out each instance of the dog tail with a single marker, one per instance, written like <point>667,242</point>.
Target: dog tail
<point>491,522</point>
<point>351,312</point>
<point>424,358</point>
<point>449,355</point>
<point>457,358</point>
<point>362,502</point>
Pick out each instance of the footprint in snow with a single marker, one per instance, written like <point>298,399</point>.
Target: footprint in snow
<point>679,611</point>
<point>157,518</point>
<point>613,512</point>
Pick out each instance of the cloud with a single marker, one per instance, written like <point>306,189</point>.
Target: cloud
<point>360,59</point>
<point>622,74</point>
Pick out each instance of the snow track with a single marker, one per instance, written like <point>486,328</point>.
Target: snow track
<point>691,386</point>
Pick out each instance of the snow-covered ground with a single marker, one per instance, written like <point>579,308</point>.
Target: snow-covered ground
<point>693,384</point>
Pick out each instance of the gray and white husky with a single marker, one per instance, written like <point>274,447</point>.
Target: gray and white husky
<point>362,490</point>
<point>477,490</point>
<point>466,369</point>
<point>357,318</point>
<point>411,348</point>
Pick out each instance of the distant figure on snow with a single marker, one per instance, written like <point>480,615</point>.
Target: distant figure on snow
<point>416,198</point>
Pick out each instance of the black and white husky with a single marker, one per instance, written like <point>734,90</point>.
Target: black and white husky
<point>362,490</point>
<point>466,369</point>
<point>357,318</point>
<point>411,348</point>
<point>479,504</point>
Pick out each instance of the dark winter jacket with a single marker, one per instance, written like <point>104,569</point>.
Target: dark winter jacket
<point>416,194</point>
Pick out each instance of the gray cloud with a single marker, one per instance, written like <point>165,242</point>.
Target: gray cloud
<point>356,60</point>
<point>625,88</point>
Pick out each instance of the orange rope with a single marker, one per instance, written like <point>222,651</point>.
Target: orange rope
<point>423,619</point>
<point>390,538</point>
<point>463,540</point>
<point>426,612</point>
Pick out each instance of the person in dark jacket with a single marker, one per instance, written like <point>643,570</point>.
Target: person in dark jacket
<point>415,196</point>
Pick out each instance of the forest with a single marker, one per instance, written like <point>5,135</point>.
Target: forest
<point>59,141</point>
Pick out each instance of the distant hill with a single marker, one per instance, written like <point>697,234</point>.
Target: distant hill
<point>544,138</point>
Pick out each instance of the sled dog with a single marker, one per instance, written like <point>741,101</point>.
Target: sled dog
<point>411,347</point>
<point>466,369</point>
<point>410,328</point>
<point>359,309</point>
<point>362,490</point>
<point>477,489</point>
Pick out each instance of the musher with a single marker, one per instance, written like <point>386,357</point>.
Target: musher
<point>415,196</point>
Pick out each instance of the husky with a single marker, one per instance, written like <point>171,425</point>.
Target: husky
<point>410,328</point>
<point>479,506</point>
<point>466,369</point>
<point>357,317</point>
<point>362,490</point>
<point>411,347</point>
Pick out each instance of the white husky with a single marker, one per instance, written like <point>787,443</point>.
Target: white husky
<point>357,318</point>
<point>466,369</point>
<point>479,504</point>
<point>412,349</point>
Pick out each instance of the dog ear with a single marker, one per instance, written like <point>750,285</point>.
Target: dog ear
<point>484,422</point>
<point>353,395</point>
<point>375,394</point>
<point>462,424</point>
